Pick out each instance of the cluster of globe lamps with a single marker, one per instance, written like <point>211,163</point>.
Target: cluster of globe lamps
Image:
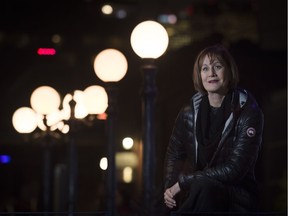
<point>149,40</point>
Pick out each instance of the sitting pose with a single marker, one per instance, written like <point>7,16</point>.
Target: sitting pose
<point>215,142</point>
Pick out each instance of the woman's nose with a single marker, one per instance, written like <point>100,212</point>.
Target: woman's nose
<point>212,72</point>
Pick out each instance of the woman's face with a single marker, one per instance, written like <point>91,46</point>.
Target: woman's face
<point>212,75</point>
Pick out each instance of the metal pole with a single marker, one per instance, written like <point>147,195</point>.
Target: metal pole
<point>46,174</point>
<point>73,164</point>
<point>111,91</point>
<point>149,91</point>
<point>72,176</point>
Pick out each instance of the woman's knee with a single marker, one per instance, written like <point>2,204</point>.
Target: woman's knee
<point>206,194</point>
<point>208,187</point>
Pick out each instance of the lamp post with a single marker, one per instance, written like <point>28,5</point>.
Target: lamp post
<point>91,101</point>
<point>149,40</point>
<point>110,65</point>
<point>46,115</point>
<point>44,101</point>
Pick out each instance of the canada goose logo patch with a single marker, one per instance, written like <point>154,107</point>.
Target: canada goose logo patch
<point>251,132</point>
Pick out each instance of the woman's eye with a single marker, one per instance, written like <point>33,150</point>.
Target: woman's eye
<point>204,69</point>
<point>218,67</point>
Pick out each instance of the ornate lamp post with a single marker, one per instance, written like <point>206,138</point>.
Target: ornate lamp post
<point>44,101</point>
<point>46,115</point>
<point>92,101</point>
<point>149,40</point>
<point>110,65</point>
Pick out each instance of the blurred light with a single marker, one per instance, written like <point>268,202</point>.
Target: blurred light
<point>149,39</point>
<point>5,159</point>
<point>102,116</point>
<point>103,163</point>
<point>53,118</point>
<point>95,99</point>
<point>171,31</point>
<point>66,111</point>
<point>121,14</point>
<point>80,111</point>
<point>64,129</point>
<point>56,39</point>
<point>24,120</point>
<point>127,143</point>
<point>167,18</point>
<point>124,159</point>
<point>40,122</point>
<point>61,127</point>
<point>107,9</point>
<point>110,65</point>
<point>127,174</point>
<point>46,51</point>
<point>45,100</point>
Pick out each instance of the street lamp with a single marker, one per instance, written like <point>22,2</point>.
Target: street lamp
<point>77,106</point>
<point>46,115</point>
<point>110,65</point>
<point>44,100</point>
<point>149,40</point>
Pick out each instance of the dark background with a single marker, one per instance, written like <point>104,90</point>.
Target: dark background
<point>254,31</point>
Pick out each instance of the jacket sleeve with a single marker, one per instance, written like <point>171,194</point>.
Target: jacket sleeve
<point>243,152</point>
<point>175,154</point>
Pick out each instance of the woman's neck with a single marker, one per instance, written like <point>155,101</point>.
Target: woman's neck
<point>215,99</point>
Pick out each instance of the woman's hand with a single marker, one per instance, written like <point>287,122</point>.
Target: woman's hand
<point>170,194</point>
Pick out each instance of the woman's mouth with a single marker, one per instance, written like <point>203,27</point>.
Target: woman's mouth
<point>213,81</point>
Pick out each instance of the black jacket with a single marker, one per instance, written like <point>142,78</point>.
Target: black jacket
<point>233,162</point>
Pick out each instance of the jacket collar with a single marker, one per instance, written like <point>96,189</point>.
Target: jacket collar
<point>242,99</point>
<point>242,96</point>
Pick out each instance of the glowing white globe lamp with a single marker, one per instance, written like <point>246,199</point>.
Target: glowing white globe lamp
<point>110,65</point>
<point>24,120</point>
<point>95,99</point>
<point>45,100</point>
<point>149,39</point>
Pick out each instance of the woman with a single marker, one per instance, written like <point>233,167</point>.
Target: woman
<point>215,142</point>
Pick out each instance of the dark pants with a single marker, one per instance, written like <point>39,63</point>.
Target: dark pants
<point>206,195</point>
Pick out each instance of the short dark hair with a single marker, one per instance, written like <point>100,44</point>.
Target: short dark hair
<point>219,52</point>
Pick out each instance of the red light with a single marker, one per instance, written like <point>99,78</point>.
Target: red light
<point>102,116</point>
<point>46,51</point>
